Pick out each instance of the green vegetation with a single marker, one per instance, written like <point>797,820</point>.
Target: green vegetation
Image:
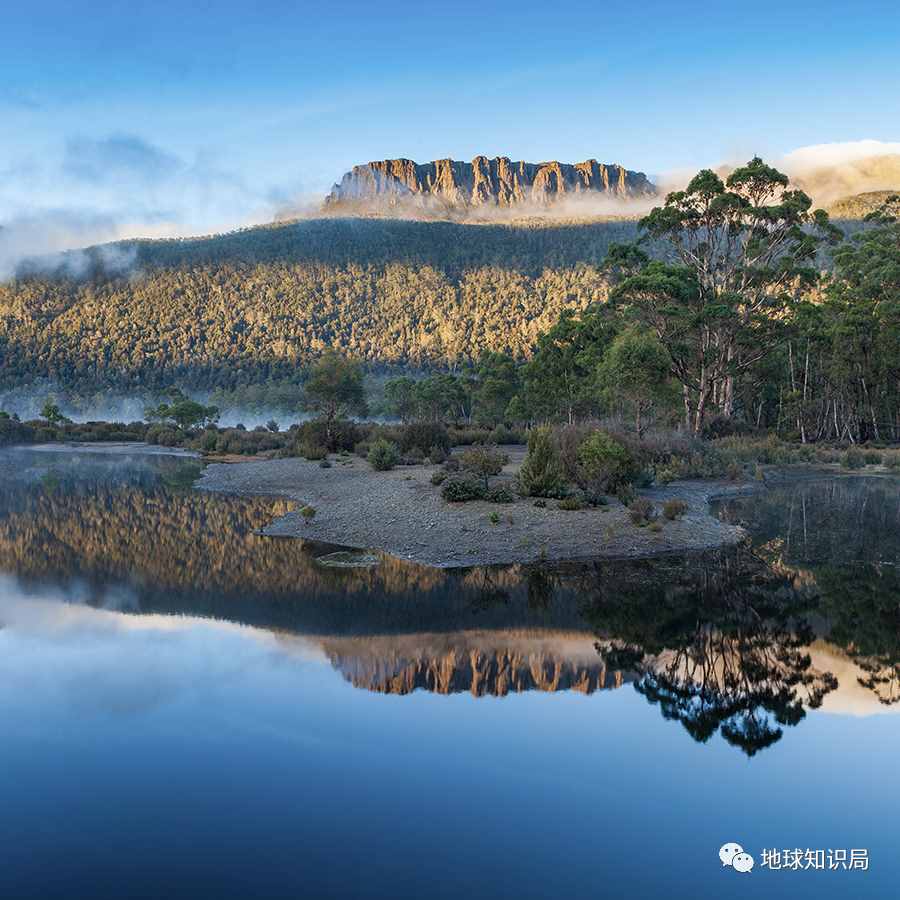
<point>541,473</point>
<point>674,509</point>
<point>483,461</point>
<point>383,455</point>
<point>462,488</point>
<point>718,315</point>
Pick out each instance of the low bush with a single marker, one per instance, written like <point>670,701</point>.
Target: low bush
<point>674,509</point>
<point>494,518</point>
<point>424,436</point>
<point>438,478</point>
<point>571,503</point>
<point>462,488</point>
<point>604,465</point>
<point>308,512</point>
<point>437,454</point>
<point>312,452</point>
<point>853,459</point>
<point>483,460</point>
<point>873,457</point>
<point>344,434</point>
<point>465,437</point>
<point>503,435</point>
<point>500,494</point>
<point>641,511</point>
<point>540,504</point>
<point>383,455</point>
<point>541,474</point>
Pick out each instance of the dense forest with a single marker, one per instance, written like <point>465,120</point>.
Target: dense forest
<point>732,302</point>
<point>259,304</point>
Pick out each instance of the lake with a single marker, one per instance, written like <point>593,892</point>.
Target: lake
<point>192,710</point>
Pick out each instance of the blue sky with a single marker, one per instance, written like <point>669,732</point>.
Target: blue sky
<point>139,109</point>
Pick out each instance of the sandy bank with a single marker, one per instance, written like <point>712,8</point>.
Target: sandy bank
<point>402,513</point>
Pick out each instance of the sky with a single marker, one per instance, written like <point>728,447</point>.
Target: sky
<point>170,117</point>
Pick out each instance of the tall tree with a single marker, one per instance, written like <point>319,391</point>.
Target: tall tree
<point>634,372</point>
<point>335,389</point>
<point>746,250</point>
<point>560,379</point>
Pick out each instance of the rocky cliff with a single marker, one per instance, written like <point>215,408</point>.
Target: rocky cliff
<point>494,664</point>
<point>484,182</point>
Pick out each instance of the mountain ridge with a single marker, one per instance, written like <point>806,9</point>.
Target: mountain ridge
<point>497,181</point>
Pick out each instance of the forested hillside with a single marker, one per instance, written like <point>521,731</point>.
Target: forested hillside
<point>259,303</point>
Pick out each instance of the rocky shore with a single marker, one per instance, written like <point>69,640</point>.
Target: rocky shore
<point>402,513</point>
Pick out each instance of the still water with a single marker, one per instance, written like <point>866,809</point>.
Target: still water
<point>190,710</point>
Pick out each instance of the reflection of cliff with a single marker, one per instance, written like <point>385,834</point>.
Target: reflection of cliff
<point>494,664</point>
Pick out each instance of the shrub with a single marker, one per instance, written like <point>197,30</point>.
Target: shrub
<point>625,494</point>
<point>383,455</point>
<point>495,518</point>
<point>483,460</point>
<point>308,512</point>
<point>604,464</point>
<point>451,464</point>
<point>503,435</point>
<point>500,494</point>
<point>344,435</point>
<point>641,511</point>
<point>462,488</point>
<point>437,454</point>
<point>892,460</point>
<point>734,471</point>
<point>722,426</point>
<point>540,504</point>
<point>541,474</point>
<point>674,508</point>
<point>654,526</point>
<point>873,457</point>
<point>465,437</point>
<point>853,459</point>
<point>438,478</point>
<point>424,436</point>
<point>312,451</point>
<point>571,503</point>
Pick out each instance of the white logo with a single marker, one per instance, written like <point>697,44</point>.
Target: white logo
<point>733,855</point>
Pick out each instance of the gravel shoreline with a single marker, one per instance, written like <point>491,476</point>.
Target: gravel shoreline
<point>402,513</point>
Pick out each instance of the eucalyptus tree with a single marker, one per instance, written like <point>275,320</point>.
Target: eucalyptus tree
<point>740,254</point>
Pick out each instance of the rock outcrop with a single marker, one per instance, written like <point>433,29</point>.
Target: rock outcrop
<point>484,182</point>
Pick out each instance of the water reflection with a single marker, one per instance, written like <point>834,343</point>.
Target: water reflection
<point>739,644</point>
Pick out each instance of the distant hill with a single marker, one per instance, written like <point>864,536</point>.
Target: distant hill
<point>450,186</point>
<point>260,303</point>
<point>858,206</point>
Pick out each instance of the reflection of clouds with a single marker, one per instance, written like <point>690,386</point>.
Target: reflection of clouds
<point>850,698</point>
<point>56,651</point>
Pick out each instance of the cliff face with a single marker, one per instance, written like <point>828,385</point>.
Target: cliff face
<point>484,182</point>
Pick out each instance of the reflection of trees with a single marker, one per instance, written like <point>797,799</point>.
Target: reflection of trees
<point>840,536</point>
<point>828,521</point>
<point>721,648</point>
